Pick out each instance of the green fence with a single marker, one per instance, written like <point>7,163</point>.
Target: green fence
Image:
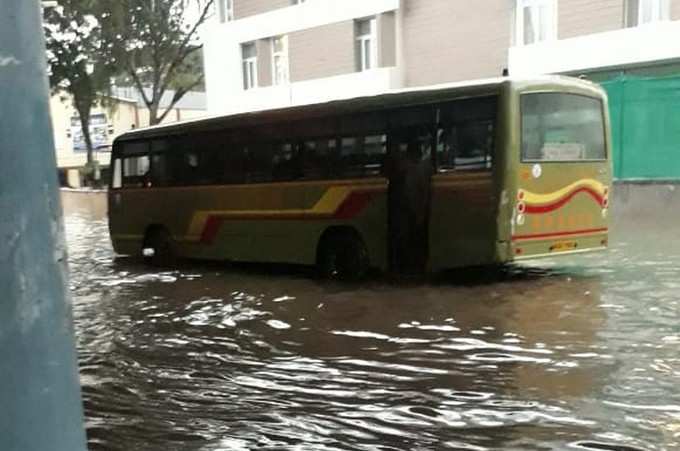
<point>645,115</point>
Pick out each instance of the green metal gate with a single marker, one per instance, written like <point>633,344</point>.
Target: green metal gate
<point>645,115</point>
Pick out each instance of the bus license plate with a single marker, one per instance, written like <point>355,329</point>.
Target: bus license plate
<point>562,246</point>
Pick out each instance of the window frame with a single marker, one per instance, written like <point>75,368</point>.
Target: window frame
<point>551,33</point>
<point>283,56</point>
<point>362,41</point>
<point>226,10</point>
<point>606,141</point>
<point>249,67</point>
<point>661,12</point>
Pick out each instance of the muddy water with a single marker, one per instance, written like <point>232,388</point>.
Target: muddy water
<point>579,353</point>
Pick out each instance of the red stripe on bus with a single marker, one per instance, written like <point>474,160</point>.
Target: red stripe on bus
<point>559,234</point>
<point>212,226</point>
<point>353,205</point>
<point>532,209</point>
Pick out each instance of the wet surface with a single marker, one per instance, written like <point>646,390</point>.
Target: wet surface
<point>577,353</point>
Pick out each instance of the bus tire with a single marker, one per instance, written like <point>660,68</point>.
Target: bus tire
<point>159,240</point>
<point>342,256</point>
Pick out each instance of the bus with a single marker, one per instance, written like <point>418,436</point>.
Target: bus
<point>427,179</point>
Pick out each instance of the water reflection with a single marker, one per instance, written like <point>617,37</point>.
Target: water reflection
<point>211,357</point>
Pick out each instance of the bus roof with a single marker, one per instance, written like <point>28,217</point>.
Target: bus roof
<point>387,99</point>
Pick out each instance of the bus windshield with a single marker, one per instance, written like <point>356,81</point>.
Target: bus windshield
<point>562,127</point>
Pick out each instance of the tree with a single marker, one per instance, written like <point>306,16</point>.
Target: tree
<point>80,62</point>
<point>156,43</point>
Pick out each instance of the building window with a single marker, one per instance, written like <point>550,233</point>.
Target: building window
<point>536,21</point>
<point>249,53</point>
<point>226,10</point>
<point>642,12</point>
<point>280,60</point>
<point>366,44</point>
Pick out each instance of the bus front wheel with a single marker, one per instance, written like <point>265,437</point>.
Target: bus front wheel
<point>158,248</point>
<point>343,256</point>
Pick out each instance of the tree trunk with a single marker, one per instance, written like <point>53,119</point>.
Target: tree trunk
<point>153,114</point>
<point>83,109</point>
<point>85,125</point>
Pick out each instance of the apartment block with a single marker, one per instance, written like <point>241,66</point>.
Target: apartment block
<point>263,54</point>
<point>268,53</point>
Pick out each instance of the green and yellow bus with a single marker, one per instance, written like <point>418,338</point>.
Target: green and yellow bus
<point>464,174</point>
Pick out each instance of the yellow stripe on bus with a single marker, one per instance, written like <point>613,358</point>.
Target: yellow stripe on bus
<point>535,198</point>
<point>326,205</point>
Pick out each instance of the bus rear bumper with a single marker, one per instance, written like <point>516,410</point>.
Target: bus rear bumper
<point>563,245</point>
<point>555,254</point>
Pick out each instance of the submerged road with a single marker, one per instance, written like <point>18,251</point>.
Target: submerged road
<point>574,353</point>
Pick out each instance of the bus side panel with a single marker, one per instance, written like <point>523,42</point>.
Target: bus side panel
<point>463,221</point>
<point>129,225</point>
<point>281,222</point>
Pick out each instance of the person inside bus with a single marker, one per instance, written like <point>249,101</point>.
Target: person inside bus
<point>410,201</point>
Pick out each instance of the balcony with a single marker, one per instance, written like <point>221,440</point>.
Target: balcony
<point>642,45</point>
<point>319,90</point>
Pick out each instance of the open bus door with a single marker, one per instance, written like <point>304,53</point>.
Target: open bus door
<point>409,189</point>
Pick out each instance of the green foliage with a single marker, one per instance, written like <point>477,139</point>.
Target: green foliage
<point>80,60</point>
<point>155,43</point>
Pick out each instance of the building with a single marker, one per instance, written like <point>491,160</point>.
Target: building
<point>124,110</point>
<point>270,53</point>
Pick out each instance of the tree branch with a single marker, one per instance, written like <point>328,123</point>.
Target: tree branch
<point>183,49</point>
<point>178,96</point>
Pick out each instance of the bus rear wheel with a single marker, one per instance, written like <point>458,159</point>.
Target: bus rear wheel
<point>159,248</point>
<point>343,256</point>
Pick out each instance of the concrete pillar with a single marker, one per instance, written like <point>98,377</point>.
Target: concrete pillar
<point>40,403</point>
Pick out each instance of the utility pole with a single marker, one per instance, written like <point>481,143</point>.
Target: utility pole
<point>40,400</point>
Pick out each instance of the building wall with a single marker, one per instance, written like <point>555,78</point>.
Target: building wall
<point>387,39</point>
<point>446,40</point>
<point>245,8</point>
<point>264,62</point>
<point>675,9</point>
<point>122,116</point>
<point>581,17</point>
<point>322,51</point>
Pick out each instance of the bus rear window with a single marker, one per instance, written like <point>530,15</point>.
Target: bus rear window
<point>562,127</point>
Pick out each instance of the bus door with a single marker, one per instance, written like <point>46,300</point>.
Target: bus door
<point>409,178</point>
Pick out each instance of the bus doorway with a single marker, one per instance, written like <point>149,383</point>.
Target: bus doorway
<point>409,181</point>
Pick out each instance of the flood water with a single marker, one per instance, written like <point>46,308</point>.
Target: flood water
<point>579,353</point>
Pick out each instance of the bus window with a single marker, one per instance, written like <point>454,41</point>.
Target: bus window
<point>160,174</point>
<point>117,181</point>
<point>234,165</point>
<point>317,158</point>
<point>465,135</point>
<point>466,146</point>
<point>562,127</point>
<point>362,156</point>
<point>135,171</point>
<point>350,162</point>
<point>375,149</point>
<point>285,162</point>
<point>259,162</point>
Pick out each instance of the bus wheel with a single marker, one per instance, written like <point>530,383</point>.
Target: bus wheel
<point>159,248</point>
<point>343,256</point>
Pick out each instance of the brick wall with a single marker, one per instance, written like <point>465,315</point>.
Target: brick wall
<point>446,40</point>
<point>245,8</point>
<point>322,51</point>
<point>581,17</point>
